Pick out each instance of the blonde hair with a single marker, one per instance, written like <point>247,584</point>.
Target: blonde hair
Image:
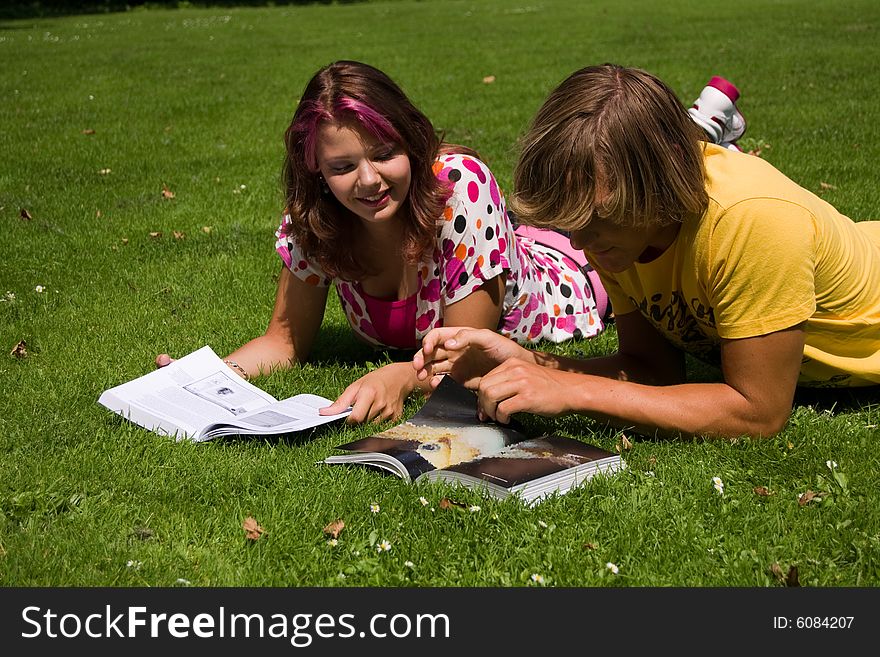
<point>612,142</point>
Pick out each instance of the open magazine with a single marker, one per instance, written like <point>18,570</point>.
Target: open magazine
<point>444,440</point>
<point>198,397</point>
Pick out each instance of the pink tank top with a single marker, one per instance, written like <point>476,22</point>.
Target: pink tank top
<point>394,321</point>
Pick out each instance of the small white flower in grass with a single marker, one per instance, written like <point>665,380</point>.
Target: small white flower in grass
<point>612,567</point>
<point>333,542</point>
<point>10,296</point>
<point>537,579</point>
<point>39,289</point>
<point>383,546</point>
<point>424,501</point>
<point>831,464</point>
<point>374,507</point>
<point>182,582</point>
<point>543,524</point>
<point>409,564</point>
<point>473,508</point>
<point>718,485</point>
<point>134,565</point>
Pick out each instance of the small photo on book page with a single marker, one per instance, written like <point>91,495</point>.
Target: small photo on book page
<point>223,390</point>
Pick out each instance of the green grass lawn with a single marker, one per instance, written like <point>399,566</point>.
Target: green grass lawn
<point>105,117</point>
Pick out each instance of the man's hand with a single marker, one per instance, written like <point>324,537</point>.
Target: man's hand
<point>517,386</point>
<point>465,354</point>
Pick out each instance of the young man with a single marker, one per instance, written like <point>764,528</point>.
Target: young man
<point>701,249</point>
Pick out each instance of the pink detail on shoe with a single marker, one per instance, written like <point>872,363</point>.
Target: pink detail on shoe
<point>724,86</point>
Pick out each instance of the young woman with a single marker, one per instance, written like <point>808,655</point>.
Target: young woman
<point>701,249</point>
<point>414,233</point>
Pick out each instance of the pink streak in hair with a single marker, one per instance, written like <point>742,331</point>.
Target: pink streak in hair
<point>345,108</point>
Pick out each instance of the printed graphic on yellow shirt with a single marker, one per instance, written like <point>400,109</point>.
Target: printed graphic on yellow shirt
<point>681,324</point>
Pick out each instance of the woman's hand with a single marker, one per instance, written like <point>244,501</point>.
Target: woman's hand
<point>377,396</point>
<point>465,354</point>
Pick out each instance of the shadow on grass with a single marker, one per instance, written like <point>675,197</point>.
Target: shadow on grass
<point>336,345</point>
<point>836,400</point>
<point>294,439</point>
<point>50,8</point>
<point>118,423</point>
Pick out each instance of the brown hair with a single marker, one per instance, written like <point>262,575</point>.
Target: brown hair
<point>620,129</point>
<point>325,230</point>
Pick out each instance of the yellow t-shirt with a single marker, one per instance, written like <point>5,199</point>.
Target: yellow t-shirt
<point>765,256</point>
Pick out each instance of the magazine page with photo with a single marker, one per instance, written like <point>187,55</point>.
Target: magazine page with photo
<point>446,441</point>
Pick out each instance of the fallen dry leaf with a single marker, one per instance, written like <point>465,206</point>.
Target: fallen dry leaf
<point>142,533</point>
<point>252,529</point>
<point>625,442</point>
<point>763,491</point>
<point>104,172</point>
<point>19,350</point>
<point>446,503</point>
<point>788,579</point>
<point>156,235</point>
<point>167,193</point>
<point>807,497</point>
<point>334,528</point>
<point>98,214</point>
<point>24,214</point>
<point>589,546</point>
<point>756,152</point>
<point>489,79</point>
<point>179,235</point>
<point>88,131</point>
<point>206,229</point>
<point>825,185</point>
<point>652,460</point>
<point>125,240</point>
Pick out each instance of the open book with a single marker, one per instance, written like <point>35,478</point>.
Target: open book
<point>198,398</point>
<point>444,440</point>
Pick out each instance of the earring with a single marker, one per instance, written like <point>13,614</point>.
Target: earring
<point>324,188</point>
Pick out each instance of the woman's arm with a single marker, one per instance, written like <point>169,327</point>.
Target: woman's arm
<point>296,319</point>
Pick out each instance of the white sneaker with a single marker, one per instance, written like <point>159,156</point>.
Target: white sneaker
<point>715,111</point>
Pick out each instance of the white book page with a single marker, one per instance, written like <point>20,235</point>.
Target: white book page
<point>191,392</point>
<point>285,416</point>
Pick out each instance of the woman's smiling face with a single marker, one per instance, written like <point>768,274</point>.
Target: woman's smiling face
<point>368,176</point>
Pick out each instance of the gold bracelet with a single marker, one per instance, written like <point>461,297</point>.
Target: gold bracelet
<point>238,369</point>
